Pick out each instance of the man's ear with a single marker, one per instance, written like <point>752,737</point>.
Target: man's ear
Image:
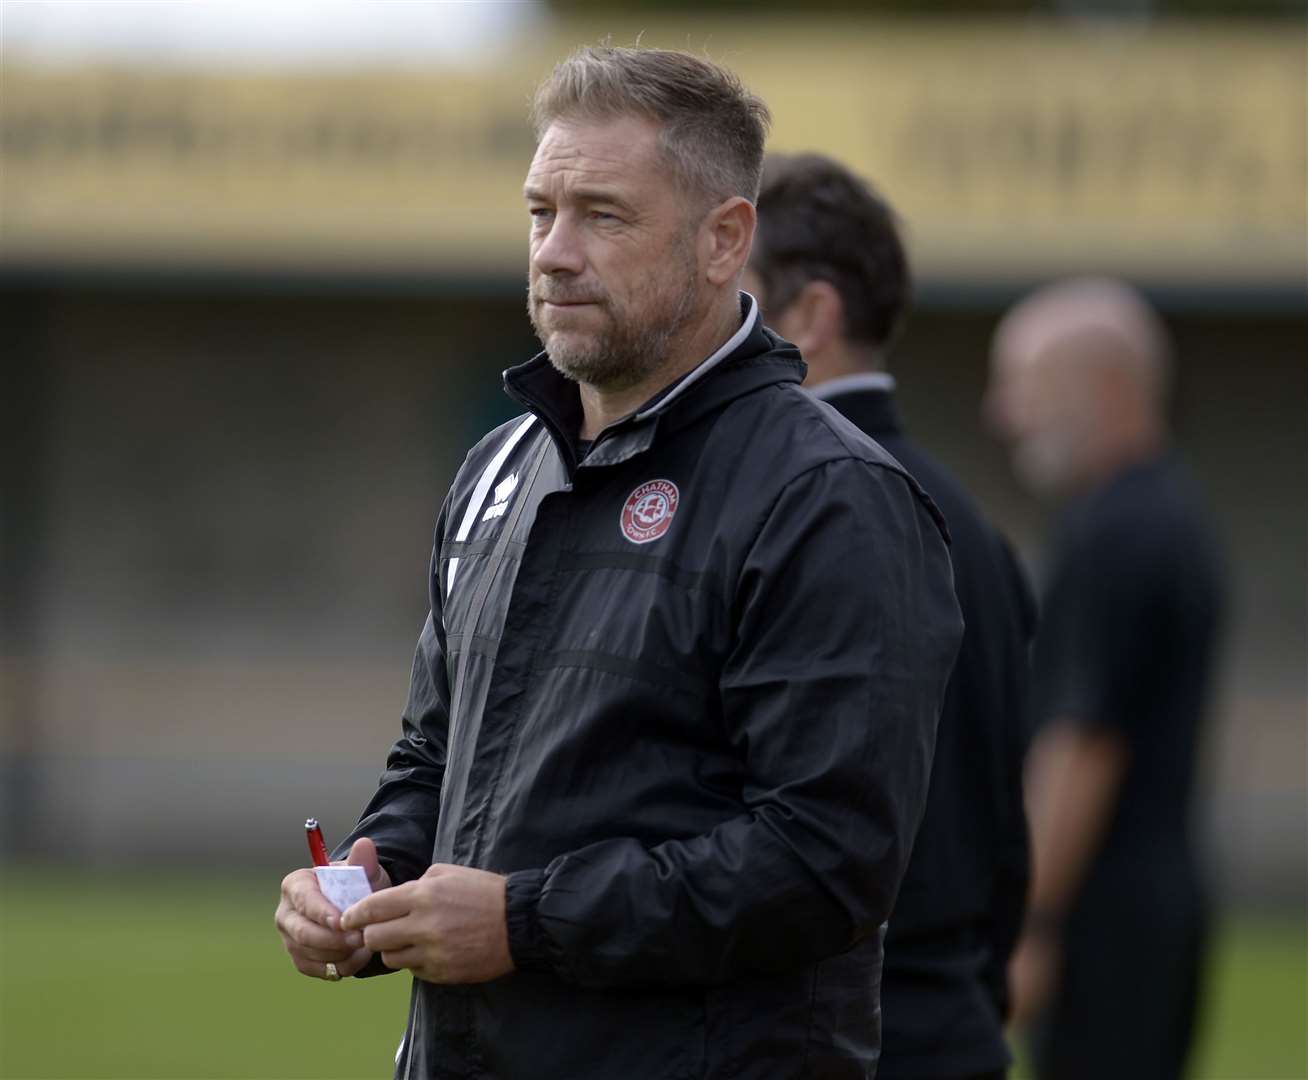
<point>815,319</point>
<point>728,234</point>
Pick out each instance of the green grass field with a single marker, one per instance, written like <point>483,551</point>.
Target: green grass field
<point>136,977</point>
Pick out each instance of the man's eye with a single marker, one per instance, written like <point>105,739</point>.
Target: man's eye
<point>603,215</point>
<point>540,213</point>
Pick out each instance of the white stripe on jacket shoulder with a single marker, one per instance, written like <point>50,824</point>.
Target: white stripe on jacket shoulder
<point>480,492</point>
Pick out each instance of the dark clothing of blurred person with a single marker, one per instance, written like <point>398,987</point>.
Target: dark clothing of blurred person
<point>1131,611</point>
<point>1107,974</point>
<point>944,981</point>
<point>832,276</point>
<point>667,741</point>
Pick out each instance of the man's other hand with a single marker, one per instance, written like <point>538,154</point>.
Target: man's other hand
<point>310,926</point>
<point>1033,972</point>
<point>447,927</point>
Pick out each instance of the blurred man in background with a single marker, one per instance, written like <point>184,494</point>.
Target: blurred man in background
<point>1109,962</point>
<point>667,741</point>
<point>830,272</point>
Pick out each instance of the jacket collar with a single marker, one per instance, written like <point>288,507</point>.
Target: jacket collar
<point>665,397</point>
<point>867,400</point>
<point>751,358</point>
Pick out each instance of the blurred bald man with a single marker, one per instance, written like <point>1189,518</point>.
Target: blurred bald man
<point>1107,970</point>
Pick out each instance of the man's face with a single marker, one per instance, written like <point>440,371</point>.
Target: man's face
<point>1044,406</point>
<point>614,273</point>
<point>823,363</point>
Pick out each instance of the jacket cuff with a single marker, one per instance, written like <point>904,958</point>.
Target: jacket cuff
<point>527,944</point>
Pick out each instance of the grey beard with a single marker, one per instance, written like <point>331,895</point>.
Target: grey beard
<point>627,354</point>
<point>629,351</point>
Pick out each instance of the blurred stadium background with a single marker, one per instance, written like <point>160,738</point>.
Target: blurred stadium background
<point>260,268</point>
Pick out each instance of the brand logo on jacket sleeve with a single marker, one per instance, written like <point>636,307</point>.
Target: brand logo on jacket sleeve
<point>502,492</point>
<point>648,511</point>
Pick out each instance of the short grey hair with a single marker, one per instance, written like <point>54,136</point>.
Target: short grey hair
<point>713,129</point>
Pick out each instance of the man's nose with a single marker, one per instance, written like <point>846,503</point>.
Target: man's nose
<point>559,250</point>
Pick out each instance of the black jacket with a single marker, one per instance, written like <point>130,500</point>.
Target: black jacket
<point>961,904</point>
<point>684,693</point>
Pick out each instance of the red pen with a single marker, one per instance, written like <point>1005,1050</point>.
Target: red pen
<point>317,849</point>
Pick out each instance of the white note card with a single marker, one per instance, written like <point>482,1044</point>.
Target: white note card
<point>343,885</point>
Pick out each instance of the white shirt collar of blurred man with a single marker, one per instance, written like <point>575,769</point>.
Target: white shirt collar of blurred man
<point>881,381</point>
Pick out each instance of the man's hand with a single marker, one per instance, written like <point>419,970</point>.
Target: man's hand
<point>310,926</point>
<point>1033,972</point>
<point>447,927</point>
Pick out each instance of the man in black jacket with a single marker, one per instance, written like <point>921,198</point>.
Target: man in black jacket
<point>830,271</point>
<point>668,735</point>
